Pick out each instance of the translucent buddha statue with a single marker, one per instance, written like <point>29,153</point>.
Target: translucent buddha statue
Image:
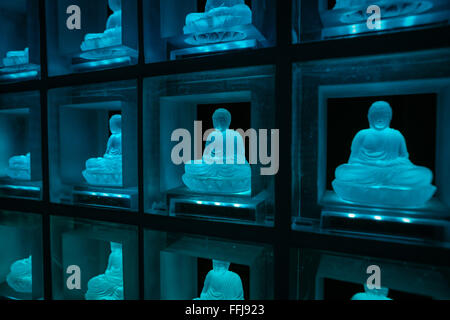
<point>223,168</point>
<point>108,286</point>
<point>113,33</point>
<point>19,168</point>
<point>222,284</point>
<point>372,294</point>
<point>20,277</point>
<point>379,171</point>
<point>219,23</point>
<point>107,171</point>
<point>357,9</point>
<point>15,58</point>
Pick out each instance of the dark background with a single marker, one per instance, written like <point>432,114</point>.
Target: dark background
<point>413,115</point>
<point>206,265</point>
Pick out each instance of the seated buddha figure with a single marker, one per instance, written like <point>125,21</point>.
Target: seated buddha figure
<point>379,171</point>
<point>107,171</point>
<point>108,286</point>
<point>222,284</point>
<point>113,33</point>
<point>20,277</point>
<point>219,23</point>
<point>19,168</point>
<point>16,58</point>
<point>372,294</point>
<point>357,9</point>
<point>223,168</point>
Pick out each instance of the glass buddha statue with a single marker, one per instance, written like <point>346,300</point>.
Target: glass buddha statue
<point>108,286</point>
<point>356,9</point>
<point>222,284</point>
<point>20,277</point>
<point>223,168</point>
<point>107,171</point>
<point>379,171</point>
<point>372,294</point>
<point>19,168</point>
<point>113,33</point>
<point>219,23</point>
<point>16,58</point>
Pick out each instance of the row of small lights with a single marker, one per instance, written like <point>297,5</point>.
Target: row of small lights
<point>380,218</point>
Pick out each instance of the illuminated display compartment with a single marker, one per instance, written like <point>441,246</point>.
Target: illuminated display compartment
<point>107,36</point>
<point>21,259</point>
<point>178,102</point>
<point>104,254</point>
<point>321,275</point>
<point>177,265</point>
<point>20,145</point>
<point>333,105</point>
<point>198,28</point>
<point>19,46</point>
<point>93,139</point>
<point>323,19</point>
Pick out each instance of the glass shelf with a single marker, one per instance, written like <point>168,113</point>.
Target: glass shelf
<point>322,275</point>
<point>186,104</point>
<point>333,103</point>
<point>177,265</point>
<point>93,163</point>
<point>20,145</point>
<point>331,19</point>
<point>93,260</point>
<point>106,37</point>
<point>21,265</point>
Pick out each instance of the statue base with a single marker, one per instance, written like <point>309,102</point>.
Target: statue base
<point>20,72</point>
<point>126,198</point>
<point>108,57</point>
<point>241,207</point>
<point>431,222</point>
<point>215,41</point>
<point>384,196</point>
<point>7,293</point>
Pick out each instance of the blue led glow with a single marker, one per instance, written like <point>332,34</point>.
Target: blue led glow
<point>104,62</point>
<point>19,75</point>
<point>25,188</point>
<point>352,215</point>
<point>109,195</point>
<point>406,220</point>
<point>378,218</point>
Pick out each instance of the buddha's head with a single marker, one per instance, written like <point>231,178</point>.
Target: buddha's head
<point>380,115</point>
<point>212,4</point>
<point>220,266</point>
<point>221,119</point>
<point>116,246</point>
<point>115,5</point>
<point>115,124</point>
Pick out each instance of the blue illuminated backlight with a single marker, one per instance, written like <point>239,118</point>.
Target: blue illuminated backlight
<point>19,75</point>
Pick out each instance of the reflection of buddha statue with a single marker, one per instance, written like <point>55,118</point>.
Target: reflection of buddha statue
<point>356,9</point>
<point>19,168</point>
<point>379,171</point>
<point>20,277</point>
<point>222,284</point>
<point>108,286</point>
<point>113,33</point>
<point>15,58</point>
<point>372,294</point>
<point>214,25</point>
<point>223,168</point>
<point>107,171</point>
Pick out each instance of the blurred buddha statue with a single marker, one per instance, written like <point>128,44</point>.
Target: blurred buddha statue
<point>219,23</point>
<point>379,171</point>
<point>222,284</point>
<point>107,171</point>
<point>19,168</point>
<point>372,294</point>
<point>357,9</point>
<point>223,168</point>
<point>20,277</point>
<point>108,286</point>
<point>113,33</point>
<point>16,58</point>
